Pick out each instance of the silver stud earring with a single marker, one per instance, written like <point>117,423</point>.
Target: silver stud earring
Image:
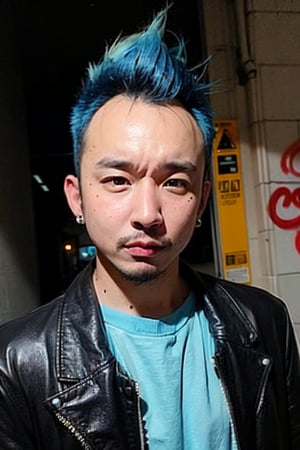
<point>198,222</point>
<point>80,219</point>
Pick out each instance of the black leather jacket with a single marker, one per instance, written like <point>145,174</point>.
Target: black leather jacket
<point>60,388</point>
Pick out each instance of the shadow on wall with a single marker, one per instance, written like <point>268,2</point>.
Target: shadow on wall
<point>18,274</point>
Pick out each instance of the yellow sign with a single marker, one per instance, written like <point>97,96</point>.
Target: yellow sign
<point>230,208</point>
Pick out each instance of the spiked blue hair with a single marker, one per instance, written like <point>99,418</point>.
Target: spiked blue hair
<point>142,66</point>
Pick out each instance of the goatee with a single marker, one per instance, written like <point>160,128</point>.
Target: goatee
<point>139,278</point>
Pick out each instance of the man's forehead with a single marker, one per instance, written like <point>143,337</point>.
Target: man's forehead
<point>125,129</point>
<point>122,109</point>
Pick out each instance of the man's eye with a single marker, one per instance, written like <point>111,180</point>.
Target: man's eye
<point>116,181</point>
<point>176,183</point>
<point>119,181</point>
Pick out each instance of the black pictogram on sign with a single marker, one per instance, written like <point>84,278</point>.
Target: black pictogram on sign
<point>226,141</point>
<point>229,186</point>
<point>238,258</point>
<point>235,185</point>
<point>227,164</point>
<point>224,186</point>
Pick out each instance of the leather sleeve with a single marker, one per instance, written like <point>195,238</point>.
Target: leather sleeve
<point>14,418</point>
<point>293,383</point>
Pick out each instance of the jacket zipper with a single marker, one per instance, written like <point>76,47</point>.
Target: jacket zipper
<point>227,401</point>
<point>73,430</point>
<point>81,439</point>
<point>140,417</point>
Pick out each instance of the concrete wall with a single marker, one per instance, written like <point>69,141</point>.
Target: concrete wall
<point>266,36</point>
<point>18,268</point>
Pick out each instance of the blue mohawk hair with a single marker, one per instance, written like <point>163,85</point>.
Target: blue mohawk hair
<point>142,66</point>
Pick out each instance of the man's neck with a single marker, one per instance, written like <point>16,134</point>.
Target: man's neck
<point>155,298</point>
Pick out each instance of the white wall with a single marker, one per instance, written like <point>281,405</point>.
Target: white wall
<point>267,108</point>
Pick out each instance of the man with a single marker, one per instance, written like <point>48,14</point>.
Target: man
<point>141,352</point>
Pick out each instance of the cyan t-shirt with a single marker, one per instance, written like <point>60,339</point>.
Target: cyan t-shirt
<point>170,358</point>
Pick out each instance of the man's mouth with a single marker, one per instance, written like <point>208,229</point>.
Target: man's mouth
<point>142,248</point>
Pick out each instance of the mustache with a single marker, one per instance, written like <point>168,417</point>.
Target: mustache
<point>140,236</point>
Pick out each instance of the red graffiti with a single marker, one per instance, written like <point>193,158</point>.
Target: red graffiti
<point>288,159</point>
<point>285,197</point>
<point>288,198</point>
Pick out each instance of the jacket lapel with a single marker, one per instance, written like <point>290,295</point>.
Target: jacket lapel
<point>94,400</point>
<point>240,361</point>
<point>81,339</point>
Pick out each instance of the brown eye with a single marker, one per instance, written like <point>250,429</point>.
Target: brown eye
<point>177,186</point>
<point>119,181</point>
<point>176,182</point>
<point>115,183</point>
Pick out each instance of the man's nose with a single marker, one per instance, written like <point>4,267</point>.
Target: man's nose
<point>146,210</point>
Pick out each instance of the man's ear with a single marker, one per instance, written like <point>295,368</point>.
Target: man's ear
<point>73,195</point>
<point>206,189</point>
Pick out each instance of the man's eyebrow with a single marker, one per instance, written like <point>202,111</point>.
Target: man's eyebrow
<point>181,166</point>
<point>112,163</point>
<point>123,164</point>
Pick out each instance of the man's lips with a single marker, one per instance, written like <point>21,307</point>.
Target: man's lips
<point>141,248</point>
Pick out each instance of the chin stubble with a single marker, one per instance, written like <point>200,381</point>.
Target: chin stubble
<point>140,278</point>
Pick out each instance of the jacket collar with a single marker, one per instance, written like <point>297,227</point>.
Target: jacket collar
<point>81,339</point>
<point>80,321</point>
<point>224,307</point>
